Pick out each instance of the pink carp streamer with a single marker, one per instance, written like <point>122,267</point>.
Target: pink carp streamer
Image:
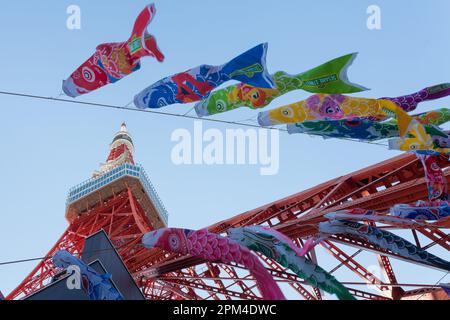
<point>215,248</point>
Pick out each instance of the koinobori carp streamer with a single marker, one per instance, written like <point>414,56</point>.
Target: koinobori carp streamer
<point>114,61</point>
<point>385,240</point>
<point>328,107</point>
<point>368,130</point>
<point>280,248</point>
<point>214,248</point>
<point>197,83</point>
<point>330,77</point>
<point>98,286</point>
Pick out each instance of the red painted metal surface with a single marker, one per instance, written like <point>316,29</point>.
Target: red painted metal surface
<point>118,151</point>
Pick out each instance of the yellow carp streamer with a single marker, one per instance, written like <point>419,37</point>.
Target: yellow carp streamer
<point>321,107</point>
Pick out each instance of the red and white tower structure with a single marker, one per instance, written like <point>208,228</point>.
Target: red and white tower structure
<point>120,199</point>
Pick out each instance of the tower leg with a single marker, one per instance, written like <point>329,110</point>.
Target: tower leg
<point>123,220</point>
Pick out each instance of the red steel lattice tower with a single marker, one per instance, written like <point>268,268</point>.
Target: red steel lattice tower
<point>120,200</point>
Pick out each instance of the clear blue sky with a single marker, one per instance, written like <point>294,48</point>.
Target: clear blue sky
<point>48,147</point>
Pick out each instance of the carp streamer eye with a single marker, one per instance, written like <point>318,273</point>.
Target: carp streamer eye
<point>287,112</point>
<point>435,167</point>
<point>255,95</point>
<point>174,241</point>
<point>88,74</point>
<point>414,146</point>
<point>220,105</point>
<point>330,110</point>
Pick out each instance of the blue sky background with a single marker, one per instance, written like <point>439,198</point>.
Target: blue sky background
<point>48,147</point>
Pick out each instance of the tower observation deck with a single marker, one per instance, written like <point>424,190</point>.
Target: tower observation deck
<point>118,173</point>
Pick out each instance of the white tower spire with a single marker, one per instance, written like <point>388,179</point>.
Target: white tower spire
<point>121,151</point>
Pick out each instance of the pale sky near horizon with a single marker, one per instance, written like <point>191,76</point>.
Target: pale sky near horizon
<point>48,147</point>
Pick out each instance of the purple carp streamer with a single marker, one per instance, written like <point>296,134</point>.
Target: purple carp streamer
<point>409,102</point>
<point>215,248</point>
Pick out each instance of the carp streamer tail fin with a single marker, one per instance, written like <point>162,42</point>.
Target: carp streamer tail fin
<point>250,68</point>
<point>409,102</point>
<point>330,77</point>
<point>141,43</point>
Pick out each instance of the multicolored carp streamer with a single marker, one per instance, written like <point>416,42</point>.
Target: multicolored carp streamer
<point>385,240</point>
<point>196,84</point>
<point>339,107</point>
<point>97,286</point>
<point>441,139</point>
<point>330,77</point>
<point>413,135</point>
<point>367,130</point>
<point>372,216</point>
<point>325,107</point>
<point>436,180</point>
<point>437,207</point>
<point>360,129</point>
<point>427,142</point>
<point>113,61</point>
<point>422,210</point>
<point>280,248</point>
<point>215,248</point>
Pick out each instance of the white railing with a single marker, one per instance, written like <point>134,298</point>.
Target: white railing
<point>137,171</point>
